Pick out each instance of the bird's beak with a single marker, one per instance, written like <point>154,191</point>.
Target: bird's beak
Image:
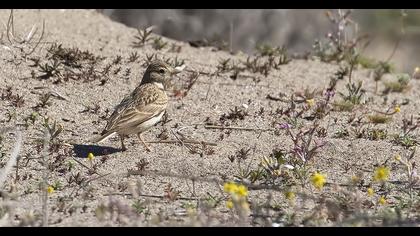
<point>173,72</point>
<point>177,70</point>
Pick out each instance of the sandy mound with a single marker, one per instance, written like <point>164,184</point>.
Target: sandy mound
<point>183,183</point>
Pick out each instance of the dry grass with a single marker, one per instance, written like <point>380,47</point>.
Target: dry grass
<point>249,140</point>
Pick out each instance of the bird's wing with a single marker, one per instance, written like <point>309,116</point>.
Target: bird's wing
<point>143,104</point>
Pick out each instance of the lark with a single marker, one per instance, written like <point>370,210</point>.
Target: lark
<point>143,108</point>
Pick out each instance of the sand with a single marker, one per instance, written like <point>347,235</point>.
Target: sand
<point>208,99</point>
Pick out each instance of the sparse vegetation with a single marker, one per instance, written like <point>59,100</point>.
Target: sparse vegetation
<point>247,140</point>
<point>379,118</point>
<point>158,43</point>
<point>338,46</point>
<point>143,37</point>
<point>397,86</point>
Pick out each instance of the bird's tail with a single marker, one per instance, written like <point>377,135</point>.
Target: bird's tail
<point>103,137</point>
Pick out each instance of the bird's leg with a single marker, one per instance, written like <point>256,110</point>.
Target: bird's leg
<point>141,139</point>
<point>122,143</point>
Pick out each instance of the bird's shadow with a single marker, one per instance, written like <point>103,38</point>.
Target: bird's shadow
<point>82,150</point>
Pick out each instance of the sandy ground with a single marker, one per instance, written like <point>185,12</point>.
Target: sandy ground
<point>208,100</point>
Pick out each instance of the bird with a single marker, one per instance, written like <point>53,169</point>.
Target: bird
<point>143,107</point>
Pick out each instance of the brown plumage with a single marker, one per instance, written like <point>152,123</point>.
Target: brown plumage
<point>143,108</point>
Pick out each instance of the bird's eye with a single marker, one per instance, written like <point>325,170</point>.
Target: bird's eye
<point>161,71</point>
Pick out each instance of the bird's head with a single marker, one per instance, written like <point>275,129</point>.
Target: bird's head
<point>159,73</point>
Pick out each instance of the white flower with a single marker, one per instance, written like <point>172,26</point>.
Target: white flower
<point>275,224</point>
<point>289,166</point>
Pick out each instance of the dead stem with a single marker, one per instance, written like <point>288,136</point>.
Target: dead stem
<point>87,167</point>
<point>236,128</point>
<point>184,141</point>
<point>150,196</point>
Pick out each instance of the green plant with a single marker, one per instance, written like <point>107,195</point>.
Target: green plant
<point>158,43</point>
<point>406,141</point>
<point>380,69</point>
<point>377,134</point>
<point>44,100</point>
<point>133,57</point>
<point>237,113</point>
<point>149,59</point>
<point>343,106</point>
<point>117,60</point>
<point>50,70</point>
<point>338,46</point>
<point>31,118</point>
<point>57,185</point>
<point>406,138</point>
<point>143,37</point>
<point>341,133</point>
<point>248,173</point>
<point>53,130</point>
<point>176,62</point>
<point>268,50</point>
<point>175,48</point>
<point>354,93</point>
<point>223,65</point>
<point>140,207</point>
<point>15,100</point>
<point>379,118</point>
<point>397,86</point>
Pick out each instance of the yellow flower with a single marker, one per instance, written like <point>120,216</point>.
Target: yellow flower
<point>236,190</point>
<point>370,192</point>
<point>310,102</point>
<point>397,109</point>
<point>381,174</point>
<point>290,195</point>
<point>397,157</point>
<point>241,191</point>
<point>50,189</point>
<point>382,200</point>
<point>230,187</point>
<point>229,204</point>
<point>90,156</point>
<point>416,74</point>
<point>318,180</point>
<point>355,179</point>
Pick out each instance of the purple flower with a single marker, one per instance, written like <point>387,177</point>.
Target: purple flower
<point>320,143</point>
<point>285,126</point>
<point>329,93</point>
